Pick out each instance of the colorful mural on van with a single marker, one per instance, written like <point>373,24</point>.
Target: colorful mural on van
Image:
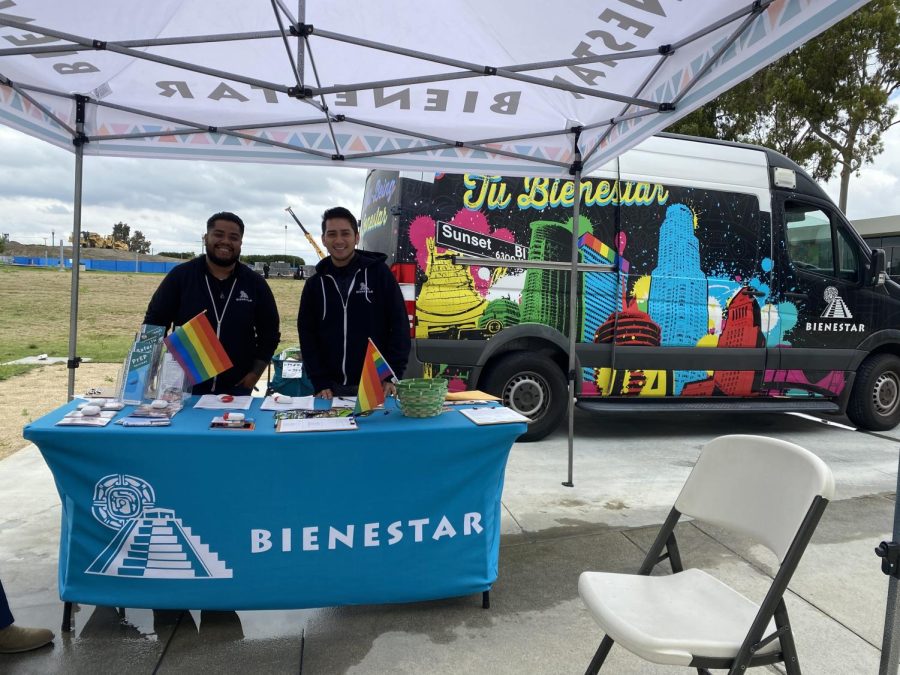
<point>692,269</point>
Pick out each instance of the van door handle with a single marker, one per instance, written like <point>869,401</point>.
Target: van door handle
<point>797,296</point>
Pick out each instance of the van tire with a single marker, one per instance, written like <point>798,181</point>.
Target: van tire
<point>875,400</point>
<point>533,385</point>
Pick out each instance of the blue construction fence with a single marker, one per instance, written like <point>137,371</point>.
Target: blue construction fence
<point>145,266</point>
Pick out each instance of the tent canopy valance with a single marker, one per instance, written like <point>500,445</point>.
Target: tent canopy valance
<point>495,87</point>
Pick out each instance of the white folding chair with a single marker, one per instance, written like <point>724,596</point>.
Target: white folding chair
<point>769,490</point>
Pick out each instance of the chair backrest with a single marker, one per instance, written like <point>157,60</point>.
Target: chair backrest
<point>757,486</point>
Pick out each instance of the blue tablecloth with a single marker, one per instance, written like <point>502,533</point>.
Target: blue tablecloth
<point>185,516</point>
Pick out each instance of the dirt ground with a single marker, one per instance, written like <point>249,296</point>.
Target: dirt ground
<point>26,397</point>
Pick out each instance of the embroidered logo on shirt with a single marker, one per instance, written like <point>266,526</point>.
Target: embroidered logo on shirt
<point>243,297</point>
<point>363,288</point>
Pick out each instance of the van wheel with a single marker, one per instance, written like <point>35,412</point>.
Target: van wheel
<point>875,399</point>
<point>532,385</point>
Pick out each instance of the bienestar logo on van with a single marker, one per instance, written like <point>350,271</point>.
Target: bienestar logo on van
<point>835,309</point>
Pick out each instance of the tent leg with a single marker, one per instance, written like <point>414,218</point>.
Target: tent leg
<point>573,311</point>
<point>890,645</point>
<point>76,266</point>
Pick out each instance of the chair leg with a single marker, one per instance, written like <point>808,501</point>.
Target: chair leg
<point>786,639</point>
<point>599,656</point>
<point>704,671</point>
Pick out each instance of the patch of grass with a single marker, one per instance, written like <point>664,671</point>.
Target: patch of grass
<point>7,372</point>
<point>34,312</point>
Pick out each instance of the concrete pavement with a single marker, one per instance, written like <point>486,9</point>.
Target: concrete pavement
<point>628,470</point>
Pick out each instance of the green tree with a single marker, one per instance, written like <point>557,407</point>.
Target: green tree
<point>121,232</point>
<point>826,105</point>
<point>138,243</point>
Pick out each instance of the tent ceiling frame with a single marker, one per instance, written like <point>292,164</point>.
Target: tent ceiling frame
<point>485,70</point>
<point>300,91</point>
<point>745,24</point>
<point>284,37</point>
<point>754,10</point>
<point>40,106</point>
<point>623,112</point>
<point>295,26</point>
<point>312,63</point>
<point>196,127</point>
<point>287,12</point>
<point>116,48</point>
<point>136,44</point>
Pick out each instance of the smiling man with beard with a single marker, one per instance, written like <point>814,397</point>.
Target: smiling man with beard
<point>238,303</point>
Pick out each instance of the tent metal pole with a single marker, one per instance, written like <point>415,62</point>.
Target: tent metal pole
<point>890,644</point>
<point>573,306</point>
<point>73,360</point>
<point>301,42</point>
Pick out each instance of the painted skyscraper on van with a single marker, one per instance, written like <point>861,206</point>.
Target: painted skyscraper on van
<point>678,288</point>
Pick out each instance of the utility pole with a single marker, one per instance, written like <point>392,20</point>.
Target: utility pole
<point>53,237</point>
<point>285,241</point>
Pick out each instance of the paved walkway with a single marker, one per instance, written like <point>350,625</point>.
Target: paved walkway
<point>537,623</point>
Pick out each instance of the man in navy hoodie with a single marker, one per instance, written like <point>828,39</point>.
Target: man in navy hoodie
<point>238,303</point>
<point>352,297</point>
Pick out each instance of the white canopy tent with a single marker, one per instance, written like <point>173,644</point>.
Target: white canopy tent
<point>514,87</point>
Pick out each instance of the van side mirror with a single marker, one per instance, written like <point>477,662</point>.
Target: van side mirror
<point>877,268</point>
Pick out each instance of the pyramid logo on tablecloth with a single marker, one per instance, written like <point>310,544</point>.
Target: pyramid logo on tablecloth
<point>150,542</point>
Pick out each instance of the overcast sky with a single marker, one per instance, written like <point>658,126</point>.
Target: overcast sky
<point>169,200</point>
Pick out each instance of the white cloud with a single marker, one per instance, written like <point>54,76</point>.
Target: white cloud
<point>169,201</point>
<point>876,191</point>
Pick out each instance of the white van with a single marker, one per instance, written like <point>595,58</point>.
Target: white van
<point>737,285</point>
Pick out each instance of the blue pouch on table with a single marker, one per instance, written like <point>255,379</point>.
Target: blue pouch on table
<point>289,376</point>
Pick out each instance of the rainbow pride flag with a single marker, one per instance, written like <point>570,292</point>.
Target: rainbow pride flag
<point>375,370</point>
<point>197,349</point>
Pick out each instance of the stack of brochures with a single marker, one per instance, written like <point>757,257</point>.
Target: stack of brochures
<point>75,418</point>
<point>316,424</point>
<point>336,419</point>
<point>141,363</point>
<point>493,415</point>
<point>144,421</point>
<point>148,416</point>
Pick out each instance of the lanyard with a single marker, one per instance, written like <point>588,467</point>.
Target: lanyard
<point>219,317</point>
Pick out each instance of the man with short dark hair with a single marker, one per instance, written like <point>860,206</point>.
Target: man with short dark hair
<point>238,303</point>
<point>352,297</point>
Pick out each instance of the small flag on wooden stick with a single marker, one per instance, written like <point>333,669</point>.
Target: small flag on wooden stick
<point>375,370</point>
<point>197,349</point>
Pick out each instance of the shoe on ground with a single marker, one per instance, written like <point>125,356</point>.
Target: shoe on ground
<point>15,639</point>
